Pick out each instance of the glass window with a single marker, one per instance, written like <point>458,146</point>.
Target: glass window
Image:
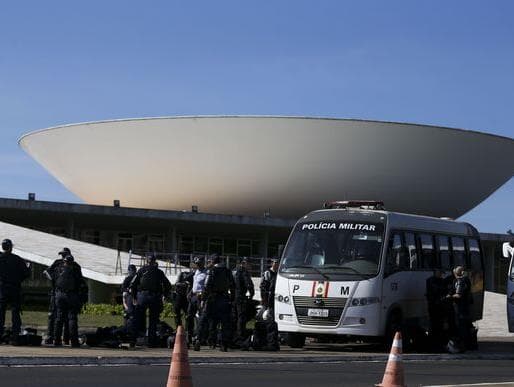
<point>443,246</point>
<point>244,248</point>
<point>185,244</point>
<point>428,259</point>
<point>230,247</point>
<point>215,246</point>
<point>342,247</point>
<point>410,243</point>
<point>395,261</point>
<point>201,245</point>
<point>474,256</point>
<point>459,252</point>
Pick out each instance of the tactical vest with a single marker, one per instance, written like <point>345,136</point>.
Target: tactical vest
<point>150,280</point>
<point>66,280</point>
<point>220,281</point>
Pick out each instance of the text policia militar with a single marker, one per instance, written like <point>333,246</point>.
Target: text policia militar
<point>338,226</point>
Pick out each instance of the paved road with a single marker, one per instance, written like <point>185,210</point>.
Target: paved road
<point>283,375</point>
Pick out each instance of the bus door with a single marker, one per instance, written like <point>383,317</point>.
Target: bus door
<point>395,287</point>
<point>508,252</point>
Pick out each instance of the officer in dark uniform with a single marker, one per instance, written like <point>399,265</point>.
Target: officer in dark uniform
<point>13,270</point>
<point>436,291</point>
<point>244,292</point>
<point>68,281</point>
<point>219,293</point>
<point>52,309</point>
<point>462,306</point>
<point>128,301</point>
<point>183,285</point>
<point>150,286</point>
<point>267,287</point>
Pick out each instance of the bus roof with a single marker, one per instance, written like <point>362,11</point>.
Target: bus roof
<point>396,220</point>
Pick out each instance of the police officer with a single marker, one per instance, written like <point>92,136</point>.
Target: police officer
<point>462,304</point>
<point>219,293</point>
<point>436,291</point>
<point>128,301</point>
<point>269,279</point>
<point>195,299</point>
<point>68,281</point>
<point>52,309</point>
<point>150,286</point>
<point>183,285</point>
<point>13,270</point>
<point>243,286</point>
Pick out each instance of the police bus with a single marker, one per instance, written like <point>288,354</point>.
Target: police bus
<point>353,269</point>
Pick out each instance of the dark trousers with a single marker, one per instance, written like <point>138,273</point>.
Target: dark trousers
<point>217,311</point>
<point>10,296</point>
<point>180,307</point>
<point>68,307</point>
<point>241,313</point>
<point>152,302</point>
<point>52,313</point>
<point>436,315</point>
<point>192,310</point>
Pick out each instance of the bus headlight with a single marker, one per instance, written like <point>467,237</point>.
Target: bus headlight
<point>364,301</point>
<point>284,299</point>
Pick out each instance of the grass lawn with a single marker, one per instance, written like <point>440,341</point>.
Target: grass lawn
<point>39,320</point>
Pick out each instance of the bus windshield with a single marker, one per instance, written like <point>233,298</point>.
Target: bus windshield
<point>342,247</point>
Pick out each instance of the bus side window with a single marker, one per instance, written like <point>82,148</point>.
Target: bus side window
<point>428,260</point>
<point>458,252</point>
<point>474,256</point>
<point>395,251</point>
<point>443,247</point>
<point>410,244</point>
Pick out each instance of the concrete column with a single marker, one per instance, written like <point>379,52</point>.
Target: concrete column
<point>171,239</point>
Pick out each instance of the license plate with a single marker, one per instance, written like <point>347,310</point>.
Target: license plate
<point>317,312</point>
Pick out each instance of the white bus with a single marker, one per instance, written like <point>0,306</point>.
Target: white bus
<point>356,270</point>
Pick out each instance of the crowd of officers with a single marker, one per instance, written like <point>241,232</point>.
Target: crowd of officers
<point>449,309</point>
<point>212,302</point>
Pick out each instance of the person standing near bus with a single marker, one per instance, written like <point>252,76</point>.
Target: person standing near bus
<point>13,271</point>
<point>436,291</point>
<point>267,287</point>
<point>461,298</point>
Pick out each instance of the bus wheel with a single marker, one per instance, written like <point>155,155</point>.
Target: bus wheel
<point>295,340</point>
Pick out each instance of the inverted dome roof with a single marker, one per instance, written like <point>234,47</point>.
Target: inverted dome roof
<point>247,165</point>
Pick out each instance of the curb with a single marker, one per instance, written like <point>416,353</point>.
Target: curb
<point>20,361</point>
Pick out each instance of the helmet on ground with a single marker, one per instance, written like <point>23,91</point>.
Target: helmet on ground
<point>267,315</point>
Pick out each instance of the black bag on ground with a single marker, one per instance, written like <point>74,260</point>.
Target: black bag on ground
<point>272,340</point>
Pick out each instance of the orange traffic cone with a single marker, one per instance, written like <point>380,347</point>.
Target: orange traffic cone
<point>180,373</point>
<point>393,376</point>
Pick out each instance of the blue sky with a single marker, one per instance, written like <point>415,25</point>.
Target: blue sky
<point>438,62</point>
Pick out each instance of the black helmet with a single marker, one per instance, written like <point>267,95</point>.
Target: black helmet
<point>215,258</point>
<point>6,244</point>
<point>132,268</point>
<point>69,258</point>
<point>198,261</point>
<point>64,252</point>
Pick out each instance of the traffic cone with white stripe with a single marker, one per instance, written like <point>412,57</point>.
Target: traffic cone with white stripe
<point>393,376</point>
<point>180,372</point>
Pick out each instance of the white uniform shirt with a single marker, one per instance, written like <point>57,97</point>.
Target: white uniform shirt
<point>199,280</point>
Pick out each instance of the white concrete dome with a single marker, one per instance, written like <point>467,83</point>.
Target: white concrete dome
<point>247,165</point>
